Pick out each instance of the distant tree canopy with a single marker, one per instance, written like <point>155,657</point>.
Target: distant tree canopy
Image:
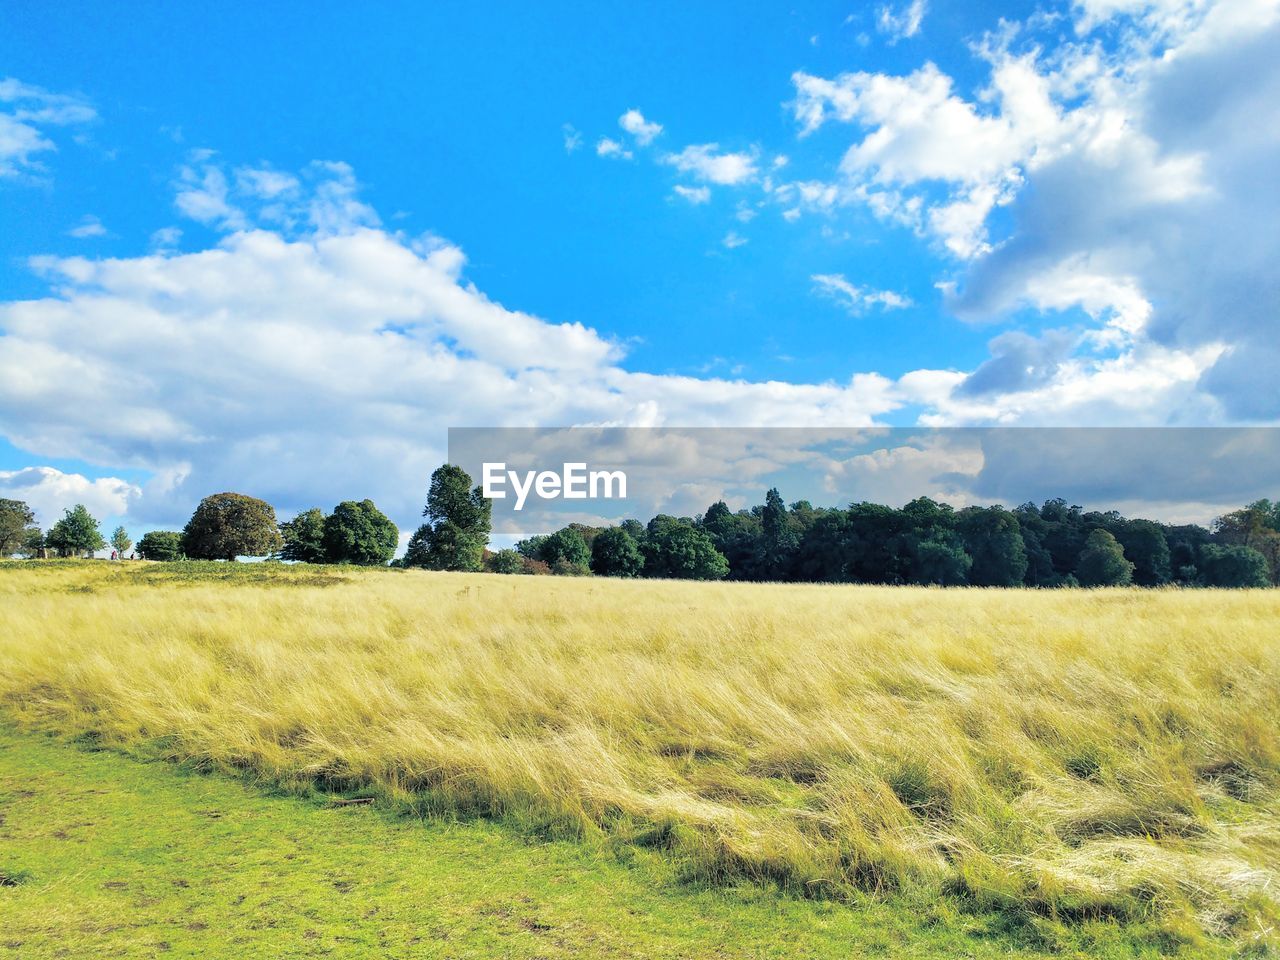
<point>457,527</point>
<point>359,533</point>
<point>924,542</point>
<point>76,534</point>
<point>120,540</point>
<point>229,525</point>
<point>160,545</point>
<point>16,524</point>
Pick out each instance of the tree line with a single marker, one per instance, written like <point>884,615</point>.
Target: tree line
<point>924,542</point>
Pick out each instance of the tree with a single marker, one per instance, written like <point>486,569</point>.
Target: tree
<point>777,546</point>
<point>505,561</point>
<point>1147,547</point>
<point>16,519</point>
<point>76,534</point>
<point>1233,566</point>
<point>993,538</point>
<point>229,525</point>
<point>120,540</point>
<point>614,553</point>
<point>303,537</point>
<point>1252,527</point>
<point>359,533</point>
<point>33,543</point>
<point>458,522</point>
<point>160,545</point>
<point>940,559</point>
<point>565,551</point>
<point>1102,562</point>
<point>676,549</point>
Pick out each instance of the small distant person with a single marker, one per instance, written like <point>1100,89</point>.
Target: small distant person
<point>113,555</point>
<point>133,556</point>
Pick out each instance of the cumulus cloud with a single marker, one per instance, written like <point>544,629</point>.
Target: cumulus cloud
<point>642,130</point>
<point>572,138</point>
<point>854,298</point>
<point>49,492</point>
<point>706,162</point>
<point>26,114</point>
<point>325,365</point>
<point>732,240</point>
<point>1135,170</point>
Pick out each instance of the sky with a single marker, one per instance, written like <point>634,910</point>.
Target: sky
<point>243,249</point>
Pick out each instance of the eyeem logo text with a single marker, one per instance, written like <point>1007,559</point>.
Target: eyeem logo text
<point>574,482</point>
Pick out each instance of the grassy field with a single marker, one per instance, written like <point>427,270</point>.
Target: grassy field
<point>1096,768</point>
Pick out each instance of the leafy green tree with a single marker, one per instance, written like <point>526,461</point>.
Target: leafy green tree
<point>778,544</point>
<point>993,539</point>
<point>1185,543</point>
<point>677,550</point>
<point>33,543</point>
<point>458,522</point>
<point>1102,562</point>
<point>940,559</point>
<point>303,537</point>
<point>76,534</point>
<point>160,545</point>
<point>1146,546</point>
<point>16,519</point>
<point>505,561</point>
<point>229,525</point>
<point>360,533</point>
<point>1233,566</point>
<point>734,534</point>
<point>565,551</point>
<point>615,553</point>
<point>824,552</point>
<point>1252,527</point>
<point>120,540</point>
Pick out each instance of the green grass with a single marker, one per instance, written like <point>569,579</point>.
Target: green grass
<point>106,856</point>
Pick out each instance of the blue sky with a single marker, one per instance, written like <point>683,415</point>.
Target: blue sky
<point>251,249</point>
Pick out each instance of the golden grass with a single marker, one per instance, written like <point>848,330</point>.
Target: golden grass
<point>1068,753</point>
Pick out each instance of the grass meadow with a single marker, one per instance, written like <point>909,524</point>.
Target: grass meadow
<point>1060,760</point>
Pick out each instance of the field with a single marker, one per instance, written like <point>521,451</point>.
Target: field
<point>1062,771</point>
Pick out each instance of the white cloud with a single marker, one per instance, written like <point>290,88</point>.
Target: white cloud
<point>903,22</point>
<point>707,163</point>
<point>606,147</point>
<point>166,237</point>
<point>26,114</point>
<point>854,298</point>
<point>732,240</point>
<point>324,200</point>
<point>634,123</point>
<point>572,138</point>
<point>694,195</point>
<point>322,366</point>
<point>89,227</point>
<point>49,492</point>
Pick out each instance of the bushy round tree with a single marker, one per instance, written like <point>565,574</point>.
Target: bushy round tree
<point>1102,562</point>
<point>160,545</point>
<point>76,534</point>
<point>1232,565</point>
<point>358,532</point>
<point>230,525</point>
<point>615,553</point>
<point>304,537</point>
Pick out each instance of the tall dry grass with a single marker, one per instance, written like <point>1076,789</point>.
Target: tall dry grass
<point>1070,753</point>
